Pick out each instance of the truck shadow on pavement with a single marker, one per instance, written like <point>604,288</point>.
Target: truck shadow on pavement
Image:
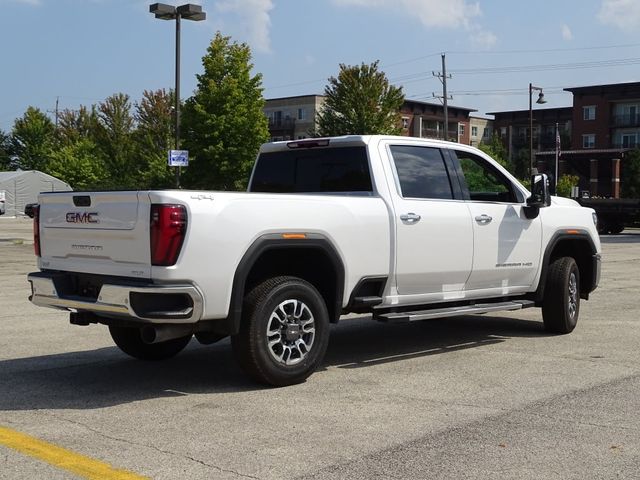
<point>106,377</point>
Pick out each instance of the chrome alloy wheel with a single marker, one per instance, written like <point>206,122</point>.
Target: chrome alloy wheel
<point>290,332</point>
<point>573,295</point>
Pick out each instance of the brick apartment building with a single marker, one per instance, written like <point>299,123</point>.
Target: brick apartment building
<point>293,118</point>
<point>601,126</point>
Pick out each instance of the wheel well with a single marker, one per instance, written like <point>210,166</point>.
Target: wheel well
<point>309,263</point>
<point>582,252</point>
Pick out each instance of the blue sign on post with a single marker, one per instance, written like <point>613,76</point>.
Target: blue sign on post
<point>178,158</point>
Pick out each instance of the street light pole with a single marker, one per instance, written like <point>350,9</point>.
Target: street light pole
<point>540,100</point>
<point>187,11</point>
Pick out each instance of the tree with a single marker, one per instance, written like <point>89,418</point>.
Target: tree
<point>32,139</point>
<point>79,164</point>
<point>154,136</point>
<point>360,101</point>
<point>223,123</point>
<point>113,136</point>
<point>496,150</point>
<point>631,174</point>
<point>5,151</point>
<point>76,124</point>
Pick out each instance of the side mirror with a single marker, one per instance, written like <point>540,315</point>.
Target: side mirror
<point>540,195</point>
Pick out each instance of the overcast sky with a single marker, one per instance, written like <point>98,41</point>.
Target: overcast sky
<point>84,50</point>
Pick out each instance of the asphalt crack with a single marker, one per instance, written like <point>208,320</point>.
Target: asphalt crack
<point>152,447</point>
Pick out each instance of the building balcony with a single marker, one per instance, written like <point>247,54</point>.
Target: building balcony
<point>627,120</point>
<point>283,123</point>
<point>438,134</point>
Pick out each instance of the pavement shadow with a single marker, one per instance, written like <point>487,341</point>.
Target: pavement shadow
<point>106,377</point>
<point>627,236</point>
<point>362,342</point>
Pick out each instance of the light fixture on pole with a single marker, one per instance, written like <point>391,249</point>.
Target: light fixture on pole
<point>188,11</point>
<point>540,100</point>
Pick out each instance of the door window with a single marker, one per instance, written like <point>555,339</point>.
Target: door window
<point>421,172</point>
<point>485,182</point>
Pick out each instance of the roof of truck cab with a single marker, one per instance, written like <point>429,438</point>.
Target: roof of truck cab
<point>348,140</point>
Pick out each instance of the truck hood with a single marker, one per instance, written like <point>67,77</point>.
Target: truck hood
<point>564,202</point>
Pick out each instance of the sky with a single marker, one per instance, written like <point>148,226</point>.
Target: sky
<point>81,51</point>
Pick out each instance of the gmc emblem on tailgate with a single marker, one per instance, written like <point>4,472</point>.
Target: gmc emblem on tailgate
<point>84,217</point>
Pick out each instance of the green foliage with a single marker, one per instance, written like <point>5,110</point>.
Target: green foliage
<point>565,184</point>
<point>74,125</point>
<point>496,150</point>
<point>223,124</point>
<point>79,164</point>
<point>113,136</point>
<point>631,174</point>
<point>5,151</point>
<point>154,137</point>
<point>360,101</point>
<point>479,179</point>
<point>32,139</point>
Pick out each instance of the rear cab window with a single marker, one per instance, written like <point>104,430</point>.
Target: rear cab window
<point>313,170</point>
<point>421,172</point>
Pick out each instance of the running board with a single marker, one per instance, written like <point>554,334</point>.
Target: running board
<point>476,309</point>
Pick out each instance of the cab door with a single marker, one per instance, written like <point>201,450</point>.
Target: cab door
<point>434,231</point>
<point>506,243</point>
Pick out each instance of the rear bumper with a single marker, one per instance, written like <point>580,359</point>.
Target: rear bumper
<point>154,304</point>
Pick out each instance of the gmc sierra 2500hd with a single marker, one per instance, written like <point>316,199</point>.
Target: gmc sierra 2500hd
<point>405,229</point>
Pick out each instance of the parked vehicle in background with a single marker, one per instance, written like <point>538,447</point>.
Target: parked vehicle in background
<point>614,214</point>
<point>404,229</point>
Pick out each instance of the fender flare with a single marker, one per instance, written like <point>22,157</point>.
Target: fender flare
<point>556,239</point>
<point>275,241</point>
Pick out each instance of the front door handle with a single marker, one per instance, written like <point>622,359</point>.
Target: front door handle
<point>484,219</point>
<point>410,217</point>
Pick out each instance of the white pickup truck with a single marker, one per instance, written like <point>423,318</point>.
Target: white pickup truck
<point>404,229</point>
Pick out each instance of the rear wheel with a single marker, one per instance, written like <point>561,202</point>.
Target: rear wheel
<point>129,340</point>
<point>284,331</point>
<point>561,304</point>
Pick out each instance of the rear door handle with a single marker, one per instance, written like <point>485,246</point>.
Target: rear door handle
<point>410,217</point>
<point>484,219</point>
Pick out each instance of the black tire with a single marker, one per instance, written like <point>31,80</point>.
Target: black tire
<point>561,304</point>
<point>130,342</point>
<point>616,229</point>
<point>297,352</point>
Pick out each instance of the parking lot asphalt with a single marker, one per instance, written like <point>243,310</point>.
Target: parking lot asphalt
<point>475,397</point>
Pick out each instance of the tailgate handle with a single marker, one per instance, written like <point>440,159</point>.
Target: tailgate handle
<point>82,200</point>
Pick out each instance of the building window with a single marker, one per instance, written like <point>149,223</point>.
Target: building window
<point>461,129</point>
<point>629,140</point>
<point>503,132</point>
<point>302,114</point>
<point>474,132</point>
<point>405,122</point>
<point>589,112</point>
<point>589,141</point>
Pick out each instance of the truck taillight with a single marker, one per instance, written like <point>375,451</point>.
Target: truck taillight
<point>36,230</point>
<point>168,229</point>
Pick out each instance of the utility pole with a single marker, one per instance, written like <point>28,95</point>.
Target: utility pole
<point>444,97</point>
<point>57,101</point>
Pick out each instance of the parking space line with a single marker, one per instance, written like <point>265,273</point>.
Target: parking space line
<point>62,458</point>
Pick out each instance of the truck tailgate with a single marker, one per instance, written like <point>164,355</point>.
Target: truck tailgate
<point>97,232</point>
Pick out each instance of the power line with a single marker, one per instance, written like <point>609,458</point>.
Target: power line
<point>548,67</point>
<point>546,50</point>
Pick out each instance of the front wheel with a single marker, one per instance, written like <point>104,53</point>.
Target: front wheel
<point>561,304</point>
<point>129,340</point>
<point>284,331</point>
